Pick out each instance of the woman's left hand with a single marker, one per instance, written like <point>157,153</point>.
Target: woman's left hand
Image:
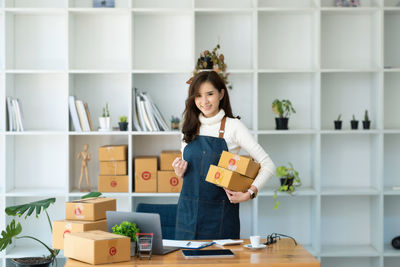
<point>237,197</point>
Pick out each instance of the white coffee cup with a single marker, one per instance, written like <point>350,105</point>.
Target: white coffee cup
<point>255,241</point>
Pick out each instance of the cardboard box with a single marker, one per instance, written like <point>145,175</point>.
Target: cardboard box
<point>146,174</point>
<point>240,164</point>
<point>62,227</point>
<point>89,209</point>
<point>167,157</point>
<point>113,153</point>
<point>228,179</point>
<point>97,247</point>
<point>167,182</point>
<point>113,167</point>
<point>112,183</point>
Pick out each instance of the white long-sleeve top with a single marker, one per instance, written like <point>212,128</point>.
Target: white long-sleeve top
<point>237,136</point>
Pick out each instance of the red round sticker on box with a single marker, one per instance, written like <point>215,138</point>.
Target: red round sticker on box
<point>113,183</point>
<point>66,232</point>
<point>217,175</point>
<point>146,175</point>
<point>232,162</point>
<point>113,251</point>
<point>174,181</point>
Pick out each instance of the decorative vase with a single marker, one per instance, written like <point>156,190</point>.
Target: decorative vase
<point>338,125</point>
<point>281,123</point>
<point>105,123</point>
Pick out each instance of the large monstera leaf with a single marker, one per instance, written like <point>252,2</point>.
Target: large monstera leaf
<point>11,231</point>
<point>37,206</point>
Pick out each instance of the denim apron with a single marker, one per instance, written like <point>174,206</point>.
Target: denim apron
<point>204,210</point>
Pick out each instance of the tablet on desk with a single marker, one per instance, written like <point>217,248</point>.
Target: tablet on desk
<point>209,253</point>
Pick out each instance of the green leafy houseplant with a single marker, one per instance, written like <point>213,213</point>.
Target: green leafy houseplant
<point>123,123</point>
<point>128,229</point>
<point>123,118</point>
<point>106,112</point>
<point>283,108</point>
<point>290,180</point>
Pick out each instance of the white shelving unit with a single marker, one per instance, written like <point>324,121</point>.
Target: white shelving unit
<point>326,60</point>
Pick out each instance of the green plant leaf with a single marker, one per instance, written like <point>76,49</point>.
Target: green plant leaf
<point>19,210</point>
<point>11,231</point>
<point>126,228</point>
<point>91,194</point>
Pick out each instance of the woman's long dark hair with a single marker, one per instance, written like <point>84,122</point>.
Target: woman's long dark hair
<point>191,122</point>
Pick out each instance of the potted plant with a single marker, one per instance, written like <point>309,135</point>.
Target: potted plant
<point>123,124</point>
<point>354,123</point>
<point>366,121</point>
<point>283,108</point>
<point>104,120</point>
<point>338,122</point>
<point>175,123</point>
<point>128,229</point>
<point>213,60</point>
<point>289,179</point>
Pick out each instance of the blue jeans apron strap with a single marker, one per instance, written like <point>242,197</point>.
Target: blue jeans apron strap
<point>204,210</point>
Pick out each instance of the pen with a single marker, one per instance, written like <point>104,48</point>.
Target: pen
<point>188,243</point>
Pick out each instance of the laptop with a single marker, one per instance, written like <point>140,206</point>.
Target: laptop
<point>147,223</point>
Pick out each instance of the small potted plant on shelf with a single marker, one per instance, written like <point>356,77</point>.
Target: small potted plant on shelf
<point>175,123</point>
<point>289,179</point>
<point>104,120</point>
<point>354,123</point>
<point>128,229</point>
<point>338,122</point>
<point>123,124</point>
<point>283,108</point>
<point>366,122</point>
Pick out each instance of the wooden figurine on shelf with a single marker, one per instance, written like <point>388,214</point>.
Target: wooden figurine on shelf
<point>85,156</point>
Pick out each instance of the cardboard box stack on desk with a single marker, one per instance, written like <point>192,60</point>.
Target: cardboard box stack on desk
<point>233,172</point>
<point>113,169</point>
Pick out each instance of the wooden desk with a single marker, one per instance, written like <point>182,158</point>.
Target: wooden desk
<point>281,254</point>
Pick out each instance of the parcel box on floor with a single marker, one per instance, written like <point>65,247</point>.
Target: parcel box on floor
<point>113,183</point>
<point>89,209</point>
<point>62,227</point>
<point>113,152</point>
<point>97,247</point>
<point>243,165</point>
<point>228,179</point>
<point>167,157</point>
<point>146,174</point>
<point>167,182</point>
<point>113,167</point>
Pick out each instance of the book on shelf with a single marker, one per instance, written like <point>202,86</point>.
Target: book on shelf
<point>15,114</point>
<point>80,115</point>
<point>88,116</point>
<point>74,114</point>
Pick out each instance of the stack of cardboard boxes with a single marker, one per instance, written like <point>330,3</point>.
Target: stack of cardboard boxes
<point>113,169</point>
<point>234,172</point>
<point>83,235</point>
<point>149,180</point>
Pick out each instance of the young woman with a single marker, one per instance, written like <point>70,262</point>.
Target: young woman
<point>206,211</point>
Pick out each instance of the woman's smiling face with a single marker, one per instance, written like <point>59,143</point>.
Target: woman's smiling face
<point>208,98</point>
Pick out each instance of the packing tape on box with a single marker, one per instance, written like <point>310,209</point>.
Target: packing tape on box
<point>232,163</point>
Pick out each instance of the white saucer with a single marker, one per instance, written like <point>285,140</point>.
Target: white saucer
<point>261,246</point>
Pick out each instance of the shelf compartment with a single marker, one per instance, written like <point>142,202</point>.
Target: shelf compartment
<point>169,42</point>
<point>35,3</point>
<point>89,4</point>
<point>223,4</point>
<point>76,144</point>
<point>35,192</point>
<point>235,45</point>
<point>350,40</point>
<point>33,91</point>
<point>161,4</point>
<point>350,261</point>
<point>144,145</point>
<point>391,158</point>
<point>391,3</point>
<point>300,192</point>
<point>35,41</point>
<point>343,191</point>
<point>36,162</point>
<point>276,39</point>
<point>349,161</point>
<point>99,89</point>
<point>285,149</point>
<point>363,3</point>
<point>340,215</point>
<point>391,93</point>
<point>287,3</point>
<point>285,220</point>
<point>32,226</point>
<point>99,41</point>
<point>391,39</point>
<point>391,220</point>
<point>348,94</point>
<point>300,88</point>
<point>391,261</point>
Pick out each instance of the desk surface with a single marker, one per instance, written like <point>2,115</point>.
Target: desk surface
<point>282,253</point>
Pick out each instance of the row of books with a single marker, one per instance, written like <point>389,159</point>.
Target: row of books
<point>15,115</point>
<point>146,116</point>
<point>80,115</point>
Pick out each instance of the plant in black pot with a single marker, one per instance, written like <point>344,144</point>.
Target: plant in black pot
<point>354,123</point>
<point>289,179</point>
<point>366,121</point>
<point>283,108</point>
<point>123,123</point>
<point>338,122</point>
<point>128,229</point>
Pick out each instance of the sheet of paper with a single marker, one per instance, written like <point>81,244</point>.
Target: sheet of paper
<point>225,242</point>
<point>185,243</point>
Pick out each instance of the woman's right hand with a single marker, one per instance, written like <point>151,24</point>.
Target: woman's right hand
<point>180,166</point>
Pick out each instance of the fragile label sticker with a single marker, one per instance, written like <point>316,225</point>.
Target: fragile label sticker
<point>79,211</point>
<point>232,163</point>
